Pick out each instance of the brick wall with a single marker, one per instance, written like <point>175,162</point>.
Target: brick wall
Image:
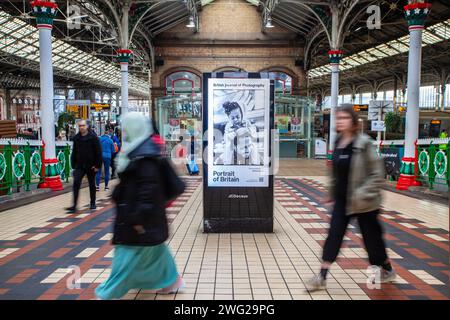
<point>229,36</point>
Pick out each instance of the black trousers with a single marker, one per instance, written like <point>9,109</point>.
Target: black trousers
<point>371,231</point>
<point>113,165</point>
<point>78,175</point>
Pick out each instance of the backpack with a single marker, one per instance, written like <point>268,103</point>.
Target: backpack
<point>173,185</point>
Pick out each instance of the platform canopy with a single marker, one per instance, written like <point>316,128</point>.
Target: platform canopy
<point>88,33</point>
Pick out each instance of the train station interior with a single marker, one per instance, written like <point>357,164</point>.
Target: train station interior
<point>288,66</point>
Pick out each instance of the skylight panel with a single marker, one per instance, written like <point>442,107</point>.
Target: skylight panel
<point>399,46</point>
<point>429,38</point>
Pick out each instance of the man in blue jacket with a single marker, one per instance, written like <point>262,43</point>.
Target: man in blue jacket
<point>107,153</point>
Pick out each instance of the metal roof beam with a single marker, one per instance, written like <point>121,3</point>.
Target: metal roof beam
<point>288,13</point>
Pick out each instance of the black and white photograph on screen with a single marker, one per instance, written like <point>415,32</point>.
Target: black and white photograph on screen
<point>236,134</point>
<point>238,117</point>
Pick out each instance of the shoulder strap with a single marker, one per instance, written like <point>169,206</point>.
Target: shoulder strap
<point>336,141</point>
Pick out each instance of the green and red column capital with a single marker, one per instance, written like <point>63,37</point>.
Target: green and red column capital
<point>335,56</point>
<point>124,55</point>
<point>416,14</point>
<point>45,12</point>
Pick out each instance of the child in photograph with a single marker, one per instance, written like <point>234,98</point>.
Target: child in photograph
<point>240,135</point>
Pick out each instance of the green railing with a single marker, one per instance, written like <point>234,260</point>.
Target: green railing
<point>433,162</point>
<point>21,164</point>
<point>63,152</point>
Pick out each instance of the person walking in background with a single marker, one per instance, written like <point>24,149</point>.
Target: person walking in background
<point>72,133</point>
<point>141,258</point>
<point>117,145</point>
<point>156,137</point>
<point>86,160</point>
<point>107,154</point>
<point>356,180</point>
<point>91,127</point>
<point>191,164</point>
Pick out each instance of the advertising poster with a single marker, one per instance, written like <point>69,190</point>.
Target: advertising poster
<point>392,160</point>
<point>239,127</point>
<point>282,123</point>
<point>296,127</point>
<point>174,128</point>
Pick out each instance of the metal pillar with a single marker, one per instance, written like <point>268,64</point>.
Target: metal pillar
<point>45,12</point>
<point>335,58</point>
<point>124,56</point>
<point>416,14</point>
<point>124,86</point>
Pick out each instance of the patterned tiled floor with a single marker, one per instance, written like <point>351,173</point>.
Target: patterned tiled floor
<point>40,245</point>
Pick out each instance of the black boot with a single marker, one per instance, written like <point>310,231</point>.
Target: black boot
<point>71,210</point>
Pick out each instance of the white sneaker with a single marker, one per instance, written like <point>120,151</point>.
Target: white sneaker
<point>316,283</point>
<point>179,284</point>
<point>388,276</point>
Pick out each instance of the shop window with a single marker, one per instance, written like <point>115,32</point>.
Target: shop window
<point>390,95</point>
<point>183,82</point>
<point>347,98</point>
<point>447,96</point>
<point>366,97</point>
<point>326,102</point>
<point>427,97</point>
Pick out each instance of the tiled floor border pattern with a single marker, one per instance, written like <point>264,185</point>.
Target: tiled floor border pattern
<point>35,265</point>
<point>230,266</point>
<point>419,253</point>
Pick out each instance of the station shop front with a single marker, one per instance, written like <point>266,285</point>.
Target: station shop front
<point>179,114</point>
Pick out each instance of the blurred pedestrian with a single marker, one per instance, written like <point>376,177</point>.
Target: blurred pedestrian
<point>115,134</point>
<point>117,145</point>
<point>356,180</point>
<point>156,137</point>
<point>107,154</point>
<point>91,127</point>
<point>86,160</point>
<point>141,258</point>
<point>72,133</point>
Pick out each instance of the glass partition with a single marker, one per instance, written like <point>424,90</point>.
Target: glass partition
<point>293,119</point>
<point>180,116</point>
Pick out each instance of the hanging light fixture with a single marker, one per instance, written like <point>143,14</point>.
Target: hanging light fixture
<point>269,23</point>
<point>191,23</point>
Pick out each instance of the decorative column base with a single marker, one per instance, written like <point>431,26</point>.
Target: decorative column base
<point>52,180</point>
<point>407,176</point>
<point>330,158</point>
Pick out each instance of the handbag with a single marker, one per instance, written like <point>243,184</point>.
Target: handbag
<point>173,185</point>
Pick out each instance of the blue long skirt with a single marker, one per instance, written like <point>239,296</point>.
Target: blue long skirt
<point>135,267</point>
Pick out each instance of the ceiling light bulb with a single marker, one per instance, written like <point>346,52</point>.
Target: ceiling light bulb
<point>191,23</point>
<point>269,23</point>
